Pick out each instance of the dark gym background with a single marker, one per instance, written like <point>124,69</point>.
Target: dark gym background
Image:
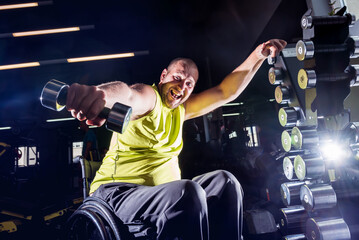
<point>217,35</point>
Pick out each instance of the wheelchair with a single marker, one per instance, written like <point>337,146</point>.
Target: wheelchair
<point>95,220</point>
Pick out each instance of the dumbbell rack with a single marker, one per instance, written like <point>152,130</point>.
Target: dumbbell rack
<point>312,78</point>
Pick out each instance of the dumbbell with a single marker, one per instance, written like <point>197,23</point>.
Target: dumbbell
<point>272,60</point>
<point>286,140</point>
<point>318,196</point>
<point>310,21</point>
<point>303,139</point>
<point>290,193</point>
<point>309,78</point>
<point>282,95</point>
<point>289,116</point>
<point>327,229</point>
<point>288,168</point>
<point>311,166</point>
<point>306,50</point>
<point>326,196</point>
<point>275,76</point>
<point>292,219</point>
<point>54,95</point>
<point>299,139</point>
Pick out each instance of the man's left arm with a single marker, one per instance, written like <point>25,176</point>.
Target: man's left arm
<point>234,83</point>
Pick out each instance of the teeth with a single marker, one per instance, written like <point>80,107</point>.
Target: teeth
<point>175,95</point>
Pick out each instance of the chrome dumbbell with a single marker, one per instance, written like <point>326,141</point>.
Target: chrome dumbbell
<point>308,22</point>
<point>54,95</point>
<point>306,50</point>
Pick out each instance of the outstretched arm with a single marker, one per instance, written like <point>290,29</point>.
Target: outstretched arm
<point>234,83</point>
<point>86,102</point>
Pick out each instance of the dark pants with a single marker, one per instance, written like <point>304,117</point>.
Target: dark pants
<point>208,207</point>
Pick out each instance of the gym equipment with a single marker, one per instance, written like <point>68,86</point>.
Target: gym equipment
<point>327,229</point>
<point>260,221</point>
<point>88,172</point>
<point>286,140</point>
<point>295,237</point>
<point>288,116</point>
<point>308,22</point>
<point>93,220</point>
<point>306,50</point>
<point>282,95</point>
<point>325,196</point>
<point>292,219</point>
<point>309,78</point>
<point>303,139</point>
<point>288,168</point>
<point>275,76</point>
<point>309,166</point>
<point>315,197</point>
<point>54,94</point>
<point>271,60</point>
<point>290,193</point>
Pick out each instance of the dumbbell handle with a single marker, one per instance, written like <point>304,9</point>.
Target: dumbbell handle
<point>310,21</point>
<point>54,96</point>
<point>62,97</point>
<point>307,50</point>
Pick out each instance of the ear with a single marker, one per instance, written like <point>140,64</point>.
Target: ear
<point>163,75</point>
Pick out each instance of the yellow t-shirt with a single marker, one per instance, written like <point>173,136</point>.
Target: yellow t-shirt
<point>147,152</point>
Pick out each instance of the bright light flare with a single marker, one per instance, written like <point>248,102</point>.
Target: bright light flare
<point>21,5</point>
<point>46,31</point>
<point>101,57</point>
<point>19,65</point>
<point>335,152</point>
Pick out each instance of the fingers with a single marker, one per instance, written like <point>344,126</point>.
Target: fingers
<point>273,47</point>
<point>85,103</point>
<point>96,122</point>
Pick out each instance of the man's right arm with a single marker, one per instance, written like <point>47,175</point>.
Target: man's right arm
<point>86,102</point>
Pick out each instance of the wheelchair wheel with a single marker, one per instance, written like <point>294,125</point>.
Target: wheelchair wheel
<point>93,220</point>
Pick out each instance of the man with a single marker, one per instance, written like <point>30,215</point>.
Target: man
<point>140,177</point>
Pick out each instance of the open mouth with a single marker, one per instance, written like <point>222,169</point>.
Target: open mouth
<point>175,95</point>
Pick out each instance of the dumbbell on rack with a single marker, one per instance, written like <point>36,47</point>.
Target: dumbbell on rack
<point>290,193</point>
<point>327,229</point>
<point>54,95</point>
<point>282,95</point>
<point>292,219</point>
<point>325,196</point>
<point>318,196</point>
<point>309,166</point>
<point>275,76</point>
<point>308,78</point>
<point>303,139</point>
<point>289,116</point>
<point>306,50</point>
<point>308,22</point>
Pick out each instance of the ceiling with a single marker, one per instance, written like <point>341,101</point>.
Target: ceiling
<point>218,35</point>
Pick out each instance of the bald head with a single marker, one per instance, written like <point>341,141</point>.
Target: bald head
<point>187,62</point>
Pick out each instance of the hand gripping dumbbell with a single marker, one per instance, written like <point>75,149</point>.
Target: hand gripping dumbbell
<point>54,95</point>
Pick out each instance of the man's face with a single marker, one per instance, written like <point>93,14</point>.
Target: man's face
<point>177,83</point>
